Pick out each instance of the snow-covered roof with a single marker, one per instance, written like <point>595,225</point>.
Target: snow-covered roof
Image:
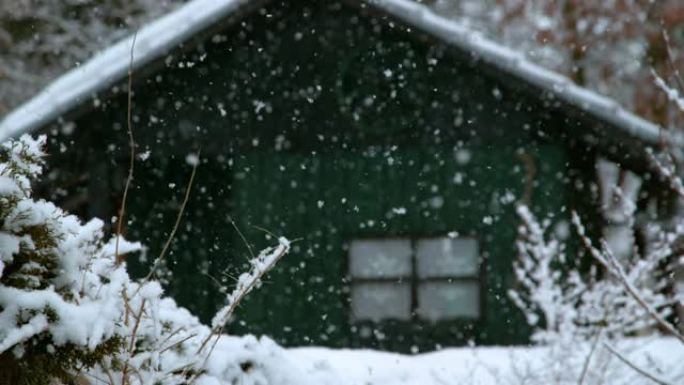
<point>166,33</point>
<point>111,65</point>
<point>514,63</point>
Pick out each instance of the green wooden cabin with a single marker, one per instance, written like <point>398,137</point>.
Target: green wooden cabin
<point>388,143</point>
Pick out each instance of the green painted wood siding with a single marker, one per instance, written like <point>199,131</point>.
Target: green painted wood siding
<point>300,104</point>
<point>329,199</point>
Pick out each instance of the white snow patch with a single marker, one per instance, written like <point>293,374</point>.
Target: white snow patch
<point>269,363</point>
<point>143,156</point>
<point>192,159</point>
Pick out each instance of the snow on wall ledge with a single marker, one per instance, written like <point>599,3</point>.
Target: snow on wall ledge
<point>164,34</point>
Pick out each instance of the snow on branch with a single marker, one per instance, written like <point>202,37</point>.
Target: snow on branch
<point>260,265</point>
<point>673,95</point>
<point>656,305</point>
<point>263,263</point>
<point>664,165</point>
<point>546,297</point>
<point>565,304</point>
<point>62,294</point>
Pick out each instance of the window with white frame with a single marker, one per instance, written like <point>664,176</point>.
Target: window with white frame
<point>400,278</point>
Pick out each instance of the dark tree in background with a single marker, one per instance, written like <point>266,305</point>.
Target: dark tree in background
<point>40,39</point>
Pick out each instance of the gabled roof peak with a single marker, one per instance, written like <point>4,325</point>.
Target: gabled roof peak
<point>164,34</point>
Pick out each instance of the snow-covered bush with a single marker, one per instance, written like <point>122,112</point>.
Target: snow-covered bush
<point>68,309</point>
<point>55,282</point>
<point>566,305</point>
<point>584,315</point>
<point>547,296</point>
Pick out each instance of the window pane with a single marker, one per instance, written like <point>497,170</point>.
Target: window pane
<point>445,300</point>
<point>380,258</point>
<point>447,257</point>
<point>376,301</point>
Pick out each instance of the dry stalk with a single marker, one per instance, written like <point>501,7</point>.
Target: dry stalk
<point>131,165</point>
<point>240,295</point>
<point>257,273</point>
<point>131,344</point>
<point>635,367</point>
<point>587,361</point>
<point>176,225</point>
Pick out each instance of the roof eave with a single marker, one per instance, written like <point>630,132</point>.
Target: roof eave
<point>513,63</point>
<point>153,43</point>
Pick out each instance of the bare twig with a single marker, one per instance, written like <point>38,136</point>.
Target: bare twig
<point>171,346</point>
<point>585,367</point>
<point>218,283</point>
<point>671,61</point>
<point>131,165</point>
<point>179,216</point>
<point>249,247</point>
<point>260,266</point>
<point>667,173</point>
<point>266,231</point>
<point>171,335</point>
<point>618,271</point>
<point>635,367</point>
<point>131,344</point>
<point>110,377</point>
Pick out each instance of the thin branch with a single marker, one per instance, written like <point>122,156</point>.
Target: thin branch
<point>636,368</point>
<point>247,281</point>
<point>585,367</point>
<point>530,174</point>
<point>171,335</point>
<point>265,231</point>
<point>177,343</point>
<point>131,165</point>
<point>618,271</point>
<point>671,61</point>
<point>666,173</point>
<point>608,260</point>
<point>110,377</point>
<point>672,94</point>
<point>262,264</point>
<point>131,345</point>
<point>169,240</point>
<point>249,247</point>
<point>218,284</point>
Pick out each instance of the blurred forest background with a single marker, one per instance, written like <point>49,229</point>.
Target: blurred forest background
<point>611,46</point>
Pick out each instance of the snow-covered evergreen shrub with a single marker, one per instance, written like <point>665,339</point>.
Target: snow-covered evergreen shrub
<point>566,305</point>
<point>58,291</point>
<point>69,311</point>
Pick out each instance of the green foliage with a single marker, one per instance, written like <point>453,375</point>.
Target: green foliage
<point>42,363</point>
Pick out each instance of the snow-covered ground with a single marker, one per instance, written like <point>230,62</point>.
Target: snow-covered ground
<point>248,360</point>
